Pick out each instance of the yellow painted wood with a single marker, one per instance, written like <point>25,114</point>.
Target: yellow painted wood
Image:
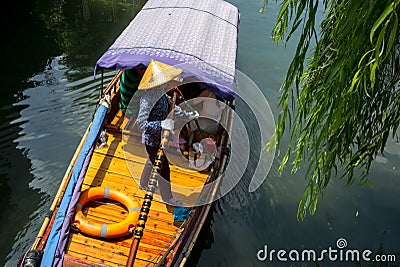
<point>189,196</point>
<point>101,214</point>
<point>118,119</point>
<point>152,247</point>
<point>119,165</point>
<point>128,168</point>
<point>100,176</point>
<point>117,146</point>
<point>117,252</point>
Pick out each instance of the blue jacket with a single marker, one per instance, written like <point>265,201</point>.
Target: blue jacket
<point>154,106</point>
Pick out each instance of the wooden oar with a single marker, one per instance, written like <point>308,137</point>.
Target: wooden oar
<point>148,197</point>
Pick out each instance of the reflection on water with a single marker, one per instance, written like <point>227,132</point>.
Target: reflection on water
<point>48,134</point>
<point>48,111</point>
<point>46,106</point>
<point>53,109</point>
<point>47,87</point>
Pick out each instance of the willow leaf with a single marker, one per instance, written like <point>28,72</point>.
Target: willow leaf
<point>379,21</point>
<point>393,33</point>
<point>355,81</point>
<point>341,102</point>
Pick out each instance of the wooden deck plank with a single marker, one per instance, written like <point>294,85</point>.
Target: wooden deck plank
<point>150,239</point>
<point>189,197</point>
<point>99,177</point>
<point>118,119</point>
<point>106,165</point>
<point>96,259</point>
<point>161,226</point>
<point>133,170</point>
<point>116,211</point>
<point>119,165</point>
<point>150,248</point>
<point>119,146</point>
<point>140,158</point>
<point>132,175</point>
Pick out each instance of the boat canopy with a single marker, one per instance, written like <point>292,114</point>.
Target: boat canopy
<point>200,37</point>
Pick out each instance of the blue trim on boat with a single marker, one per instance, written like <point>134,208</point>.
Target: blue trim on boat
<point>55,233</point>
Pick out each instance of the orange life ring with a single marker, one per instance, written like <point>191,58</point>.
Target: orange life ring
<point>106,230</point>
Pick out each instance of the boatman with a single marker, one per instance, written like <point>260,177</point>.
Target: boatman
<point>152,120</point>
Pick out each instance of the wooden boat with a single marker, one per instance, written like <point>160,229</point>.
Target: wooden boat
<point>200,37</point>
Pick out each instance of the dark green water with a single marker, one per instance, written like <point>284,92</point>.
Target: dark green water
<point>50,48</point>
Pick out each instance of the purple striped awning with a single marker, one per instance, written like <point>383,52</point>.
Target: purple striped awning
<point>199,36</point>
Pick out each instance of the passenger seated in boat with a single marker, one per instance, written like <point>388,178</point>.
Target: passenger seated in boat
<point>210,110</point>
<point>152,120</point>
<point>129,83</point>
<point>202,142</point>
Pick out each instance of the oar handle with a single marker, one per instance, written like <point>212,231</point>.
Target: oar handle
<point>148,197</point>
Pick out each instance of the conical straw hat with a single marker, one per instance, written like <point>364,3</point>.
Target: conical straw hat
<point>158,73</point>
